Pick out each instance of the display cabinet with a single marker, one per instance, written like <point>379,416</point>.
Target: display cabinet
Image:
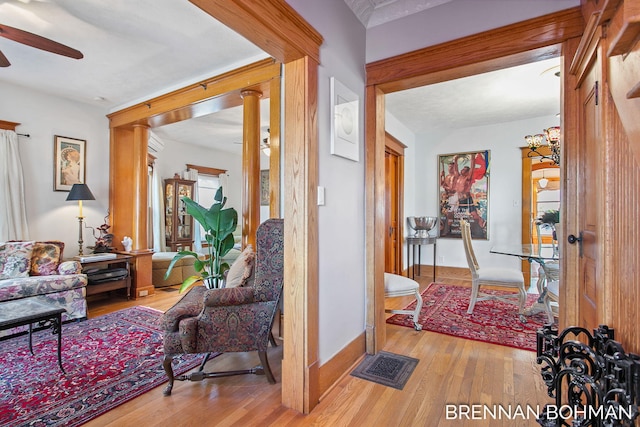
<point>178,223</point>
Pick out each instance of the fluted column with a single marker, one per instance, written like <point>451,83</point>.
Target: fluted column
<point>250,166</point>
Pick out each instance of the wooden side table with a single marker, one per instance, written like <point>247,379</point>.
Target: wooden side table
<point>414,243</point>
<point>141,272</point>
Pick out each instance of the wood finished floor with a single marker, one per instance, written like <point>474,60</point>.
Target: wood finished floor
<point>451,371</point>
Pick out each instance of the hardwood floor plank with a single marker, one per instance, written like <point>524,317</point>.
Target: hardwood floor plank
<point>451,371</point>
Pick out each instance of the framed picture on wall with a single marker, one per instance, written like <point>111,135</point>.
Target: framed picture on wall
<point>464,193</point>
<point>344,123</point>
<point>69,167</point>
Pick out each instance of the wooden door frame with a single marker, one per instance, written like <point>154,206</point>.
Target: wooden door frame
<point>397,148</point>
<point>524,42</point>
<point>279,30</point>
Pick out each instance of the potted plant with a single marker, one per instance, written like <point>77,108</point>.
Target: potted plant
<point>549,219</point>
<point>219,224</point>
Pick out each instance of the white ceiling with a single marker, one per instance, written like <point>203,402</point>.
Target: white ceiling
<point>517,93</point>
<point>132,49</point>
<point>376,12</point>
<point>135,50</point>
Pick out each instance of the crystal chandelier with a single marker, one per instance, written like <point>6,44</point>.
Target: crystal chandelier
<point>552,138</point>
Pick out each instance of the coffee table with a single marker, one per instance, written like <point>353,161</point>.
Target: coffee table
<point>27,312</point>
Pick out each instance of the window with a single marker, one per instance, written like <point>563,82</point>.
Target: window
<point>207,187</point>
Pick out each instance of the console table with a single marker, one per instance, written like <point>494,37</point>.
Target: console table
<point>414,243</point>
<point>26,311</point>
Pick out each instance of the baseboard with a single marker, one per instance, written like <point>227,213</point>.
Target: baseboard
<point>345,360</point>
<point>340,365</point>
<point>443,273</point>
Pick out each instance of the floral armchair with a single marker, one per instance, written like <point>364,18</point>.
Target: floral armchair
<point>215,321</point>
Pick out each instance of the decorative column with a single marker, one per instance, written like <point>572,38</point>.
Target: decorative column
<point>250,166</point>
<point>140,187</point>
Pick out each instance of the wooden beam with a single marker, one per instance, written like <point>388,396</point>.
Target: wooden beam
<point>534,39</point>
<point>273,26</point>
<point>199,99</point>
<point>8,125</point>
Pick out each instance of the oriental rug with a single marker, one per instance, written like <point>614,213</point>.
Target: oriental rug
<point>444,311</point>
<point>390,369</point>
<point>108,360</point>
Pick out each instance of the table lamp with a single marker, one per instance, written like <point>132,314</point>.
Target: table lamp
<point>80,192</point>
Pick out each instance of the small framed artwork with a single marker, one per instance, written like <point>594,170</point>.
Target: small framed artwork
<point>464,193</point>
<point>264,187</point>
<point>69,157</point>
<point>344,125</point>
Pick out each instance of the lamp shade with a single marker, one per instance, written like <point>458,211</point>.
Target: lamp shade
<point>80,192</point>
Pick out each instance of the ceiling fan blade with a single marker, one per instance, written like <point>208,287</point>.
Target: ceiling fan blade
<point>4,62</point>
<point>38,42</point>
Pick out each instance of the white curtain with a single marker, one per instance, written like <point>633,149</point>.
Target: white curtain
<point>13,210</point>
<point>157,202</point>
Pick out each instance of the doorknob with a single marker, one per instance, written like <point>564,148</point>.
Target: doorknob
<point>573,239</point>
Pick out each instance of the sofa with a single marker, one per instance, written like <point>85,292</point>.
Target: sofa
<point>36,270</point>
<point>182,269</point>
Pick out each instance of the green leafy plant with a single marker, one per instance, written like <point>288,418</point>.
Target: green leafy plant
<point>551,217</point>
<point>219,224</point>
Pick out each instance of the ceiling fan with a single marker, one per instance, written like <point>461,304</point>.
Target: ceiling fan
<point>36,41</point>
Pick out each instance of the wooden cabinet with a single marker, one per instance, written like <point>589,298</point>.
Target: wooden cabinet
<point>178,223</point>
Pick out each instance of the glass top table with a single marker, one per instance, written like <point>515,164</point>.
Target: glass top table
<point>532,253</point>
<point>525,251</point>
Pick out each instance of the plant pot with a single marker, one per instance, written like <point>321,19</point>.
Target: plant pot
<point>209,283</point>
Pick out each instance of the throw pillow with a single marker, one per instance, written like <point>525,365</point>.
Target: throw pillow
<point>241,269</point>
<point>15,258</point>
<point>46,257</point>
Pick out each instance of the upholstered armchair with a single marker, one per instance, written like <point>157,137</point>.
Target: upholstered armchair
<point>216,321</point>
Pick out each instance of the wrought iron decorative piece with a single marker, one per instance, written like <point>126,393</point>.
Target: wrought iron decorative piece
<point>594,382</point>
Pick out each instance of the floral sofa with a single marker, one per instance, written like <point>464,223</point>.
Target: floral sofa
<point>36,270</point>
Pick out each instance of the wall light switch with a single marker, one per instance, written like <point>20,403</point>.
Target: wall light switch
<point>320,196</point>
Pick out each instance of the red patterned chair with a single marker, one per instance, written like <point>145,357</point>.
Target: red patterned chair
<point>216,321</point>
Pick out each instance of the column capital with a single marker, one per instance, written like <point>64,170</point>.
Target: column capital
<point>251,92</point>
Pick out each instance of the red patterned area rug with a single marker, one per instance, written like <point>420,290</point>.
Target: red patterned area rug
<point>108,360</point>
<point>445,311</point>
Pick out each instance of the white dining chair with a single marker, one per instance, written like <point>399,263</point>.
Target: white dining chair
<point>491,276</point>
<point>551,295</point>
<point>400,286</point>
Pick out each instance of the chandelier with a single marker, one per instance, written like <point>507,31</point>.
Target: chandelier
<point>552,138</point>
